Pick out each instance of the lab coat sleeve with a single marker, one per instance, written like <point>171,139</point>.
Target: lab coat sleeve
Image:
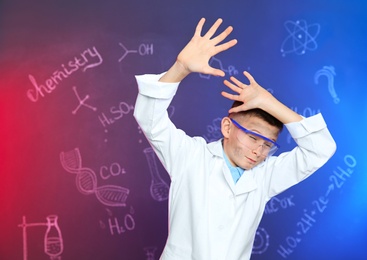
<point>170,144</point>
<point>315,146</point>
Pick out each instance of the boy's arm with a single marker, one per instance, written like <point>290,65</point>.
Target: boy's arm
<point>254,96</point>
<point>195,56</point>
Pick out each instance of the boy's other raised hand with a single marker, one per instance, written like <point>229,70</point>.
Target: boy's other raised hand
<point>252,95</point>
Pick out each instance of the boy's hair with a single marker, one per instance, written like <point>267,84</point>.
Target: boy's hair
<point>260,114</point>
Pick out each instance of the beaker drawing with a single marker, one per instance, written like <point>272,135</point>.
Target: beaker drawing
<point>158,188</point>
<point>53,244</point>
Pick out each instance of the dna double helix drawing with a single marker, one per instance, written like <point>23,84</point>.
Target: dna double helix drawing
<point>86,181</point>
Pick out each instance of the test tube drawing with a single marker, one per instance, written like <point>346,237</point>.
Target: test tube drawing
<point>158,188</point>
<point>86,181</point>
<point>53,242</point>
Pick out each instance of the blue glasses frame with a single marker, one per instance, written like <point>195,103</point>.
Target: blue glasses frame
<point>253,133</point>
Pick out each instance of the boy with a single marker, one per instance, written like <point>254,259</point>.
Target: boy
<point>219,190</point>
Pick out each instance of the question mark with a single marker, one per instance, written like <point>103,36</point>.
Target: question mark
<point>329,72</point>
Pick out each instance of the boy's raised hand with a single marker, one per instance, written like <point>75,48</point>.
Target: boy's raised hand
<point>197,53</point>
<point>195,56</point>
<point>252,95</point>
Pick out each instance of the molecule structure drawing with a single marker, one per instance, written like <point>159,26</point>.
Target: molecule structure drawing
<point>301,38</point>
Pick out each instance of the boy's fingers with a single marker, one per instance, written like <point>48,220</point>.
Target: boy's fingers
<point>229,96</point>
<point>238,83</point>
<point>232,86</point>
<point>225,46</point>
<point>214,28</point>
<point>222,35</point>
<point>199,27</point>
<point>249,77</point>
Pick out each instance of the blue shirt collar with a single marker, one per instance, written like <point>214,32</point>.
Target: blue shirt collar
<point>236,172</point>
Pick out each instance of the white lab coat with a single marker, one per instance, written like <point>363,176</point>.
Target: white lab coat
<point>210,217</point>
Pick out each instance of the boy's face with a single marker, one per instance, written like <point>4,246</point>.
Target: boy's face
<point>240,147</point>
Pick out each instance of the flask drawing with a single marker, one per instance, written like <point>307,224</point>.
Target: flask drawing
<point>53,244</point>
<point>158,187</point>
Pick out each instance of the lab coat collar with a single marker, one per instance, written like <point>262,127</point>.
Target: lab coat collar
<point>245,184</point>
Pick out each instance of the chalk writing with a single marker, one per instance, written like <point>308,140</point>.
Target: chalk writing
<point>150,252</point>
<point>144,49</point>
<point>127,224</point>
<point>113,170</point>
<point>159,189</point>
<point>86,181</point>
<point>309,217</point>
<point>275,204</point>
<point>329,72</point>
<point>82,102</point>
<point>88,59</point>
<point>307,112</point>
<point>53,242</point>
<point>115,113</point>
<point>119,225</point>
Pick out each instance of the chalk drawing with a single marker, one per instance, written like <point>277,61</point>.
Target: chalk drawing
<point>301,38</point>
<point>213,130</point>
<point>159,189</point>
<point>143,50</point>
<point>86,181</point>
<point>53,242</point>
<point>81,102</point>
<point>217,63</point>
<point>329,72</point>
<point>262,241</point>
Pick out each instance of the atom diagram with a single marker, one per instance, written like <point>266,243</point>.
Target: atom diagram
<point>301,37</point>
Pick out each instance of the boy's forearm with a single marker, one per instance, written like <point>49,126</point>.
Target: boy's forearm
<point>175,74</point>
<point>280,111</point>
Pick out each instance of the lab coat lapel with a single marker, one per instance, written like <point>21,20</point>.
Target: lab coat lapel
<point>228,176</point>
<point>216,149</point>
<point>246,183</point>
